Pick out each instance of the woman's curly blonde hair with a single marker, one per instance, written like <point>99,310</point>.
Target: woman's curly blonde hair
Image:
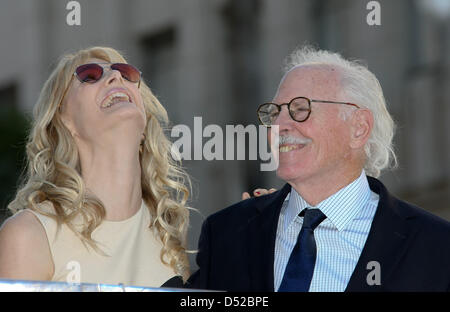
<point>53,168</point>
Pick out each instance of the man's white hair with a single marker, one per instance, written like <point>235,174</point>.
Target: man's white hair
<point>361,87</point>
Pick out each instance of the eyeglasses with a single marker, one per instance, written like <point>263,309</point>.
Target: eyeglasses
<point>299,110</point>
<point>93,72</point>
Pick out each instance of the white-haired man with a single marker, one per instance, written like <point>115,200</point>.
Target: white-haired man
<point>333,226</point>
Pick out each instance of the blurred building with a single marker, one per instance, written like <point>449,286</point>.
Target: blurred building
<point>219,59</point>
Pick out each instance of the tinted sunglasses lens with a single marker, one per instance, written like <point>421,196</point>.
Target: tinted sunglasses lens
<point>89,72</point>
<point>129,72</point>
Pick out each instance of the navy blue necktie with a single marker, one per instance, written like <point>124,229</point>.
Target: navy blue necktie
<point>300,268</point>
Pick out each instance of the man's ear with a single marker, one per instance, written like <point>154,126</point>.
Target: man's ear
<point>361,127</point>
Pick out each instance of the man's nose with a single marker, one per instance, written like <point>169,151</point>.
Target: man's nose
<point>284,120</point>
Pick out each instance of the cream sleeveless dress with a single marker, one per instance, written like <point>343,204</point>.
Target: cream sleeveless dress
<point>132,252</point>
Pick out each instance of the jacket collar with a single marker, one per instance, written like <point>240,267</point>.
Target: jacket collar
<point>262,229</point>
<point>386,243</point>
<point>389,238</point>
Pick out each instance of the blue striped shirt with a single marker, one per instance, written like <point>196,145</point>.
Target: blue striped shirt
<point>340,238</point>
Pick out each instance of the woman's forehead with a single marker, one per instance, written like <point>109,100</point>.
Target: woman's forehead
<point>96,60</point>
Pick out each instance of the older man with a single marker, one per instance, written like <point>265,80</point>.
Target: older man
<point>333,226</point>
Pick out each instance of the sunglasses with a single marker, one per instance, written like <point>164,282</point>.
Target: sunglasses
<point>93,72</point>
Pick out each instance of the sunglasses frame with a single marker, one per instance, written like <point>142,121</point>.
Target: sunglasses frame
<point>103,72</point>
<point>76,75</point>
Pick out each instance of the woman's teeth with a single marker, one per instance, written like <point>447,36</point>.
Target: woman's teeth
<point>115,98</point>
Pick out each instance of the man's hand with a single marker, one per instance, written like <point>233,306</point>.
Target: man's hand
<point>257,192</point>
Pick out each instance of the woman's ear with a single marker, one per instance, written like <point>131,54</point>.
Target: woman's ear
<point>63,110</point>
<point>67,122</point>
<point>361,127</point>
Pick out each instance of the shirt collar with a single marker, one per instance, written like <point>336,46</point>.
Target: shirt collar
<point>340,208</point>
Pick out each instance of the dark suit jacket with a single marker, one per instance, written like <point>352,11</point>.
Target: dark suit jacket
<point>237,244</point>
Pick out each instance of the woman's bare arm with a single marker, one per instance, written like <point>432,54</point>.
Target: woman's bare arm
<point>24,250</point>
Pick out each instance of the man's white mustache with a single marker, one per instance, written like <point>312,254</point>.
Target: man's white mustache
<point>289,139</point>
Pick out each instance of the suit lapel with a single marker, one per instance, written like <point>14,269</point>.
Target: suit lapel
<point>388,240</point>
<point>261,235</point>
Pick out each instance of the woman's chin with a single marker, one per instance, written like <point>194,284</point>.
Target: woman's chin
<point>125,110</point>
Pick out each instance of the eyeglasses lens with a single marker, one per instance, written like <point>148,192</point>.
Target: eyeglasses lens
<point>128,71</point>
<point>268,113</point>
<point>299,109</point>
<point>91,73</point>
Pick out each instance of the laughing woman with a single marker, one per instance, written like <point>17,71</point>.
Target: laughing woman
<point>103,201</point>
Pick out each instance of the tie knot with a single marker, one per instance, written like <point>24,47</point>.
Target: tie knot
<point>312,218</point>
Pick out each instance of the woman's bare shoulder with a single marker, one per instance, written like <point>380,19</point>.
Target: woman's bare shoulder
<point>24,249</point>
<point>25,222</point>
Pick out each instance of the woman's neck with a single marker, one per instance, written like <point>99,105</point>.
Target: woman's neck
<point>113,174</point>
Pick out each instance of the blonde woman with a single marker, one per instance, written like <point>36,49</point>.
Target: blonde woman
<point>103,201</point>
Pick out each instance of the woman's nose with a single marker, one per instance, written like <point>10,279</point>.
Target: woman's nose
<point>113,75</point>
